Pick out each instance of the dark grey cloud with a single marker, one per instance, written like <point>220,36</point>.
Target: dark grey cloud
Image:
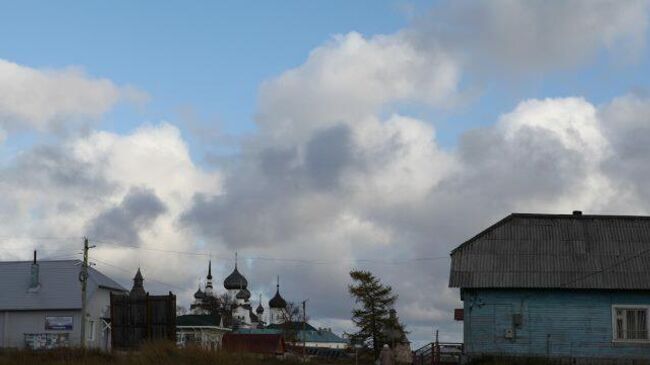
<point>627,124</point>
<point>534,36</point>
<point>123,222</point>
<point>272,192</point>
<point>327,154</point>
<point>534,163</point>
<point>49,166</point>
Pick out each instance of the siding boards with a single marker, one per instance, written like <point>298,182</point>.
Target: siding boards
<point>555,323</point>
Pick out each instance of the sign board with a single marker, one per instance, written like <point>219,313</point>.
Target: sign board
<point>58,323</point>
<point>46,341</point>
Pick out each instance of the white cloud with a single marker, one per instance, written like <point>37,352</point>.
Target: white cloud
<point>350,75</point>
<point>49,99</point>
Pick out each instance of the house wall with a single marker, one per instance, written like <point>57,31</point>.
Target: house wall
<point>98,307</point>
<point>15,324</point>
<point>18,323</point>
<point>329,345</point>
<point>554,323</point>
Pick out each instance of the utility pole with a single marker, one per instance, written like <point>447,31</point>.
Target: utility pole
<point>304,328</point>
<point>83,277</point>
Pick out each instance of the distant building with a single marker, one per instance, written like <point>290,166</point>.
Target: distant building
<point>561,286</point>
<point>235,303</point>
<point>40,305</point>
<point>309,336</point>
<point>277,306</point>
<point>261,344</point>
<point>204,330</point>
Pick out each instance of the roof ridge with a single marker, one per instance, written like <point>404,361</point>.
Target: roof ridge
<point>37,261</point>
<point>562,215</point>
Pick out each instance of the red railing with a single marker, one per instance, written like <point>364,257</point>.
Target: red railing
<point>438,353</point>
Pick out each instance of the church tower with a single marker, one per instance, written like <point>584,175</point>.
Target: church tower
<point>237,287</point>
<point>278,306</point>
<point>260,312</point>
<point>208,285</point>
<point>138,288</point>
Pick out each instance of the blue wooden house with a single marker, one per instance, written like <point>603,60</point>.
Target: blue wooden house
<point>567,286</point>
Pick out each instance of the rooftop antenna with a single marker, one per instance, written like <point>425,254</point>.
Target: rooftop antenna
<point>236,259</point>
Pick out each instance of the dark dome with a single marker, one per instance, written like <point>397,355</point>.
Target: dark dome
<point>235,281</point>
<point>259,309</point>
<point>199,294</point>
<point>243,294</point>
<point>277,301</point>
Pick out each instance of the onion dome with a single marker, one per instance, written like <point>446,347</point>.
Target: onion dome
<point>243,294</point>
<point>277,301</point>
<point>235,280</point>
<point>199,294</point>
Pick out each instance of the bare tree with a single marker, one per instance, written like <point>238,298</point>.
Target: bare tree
<point>292,322</point>
<point>181,310</point>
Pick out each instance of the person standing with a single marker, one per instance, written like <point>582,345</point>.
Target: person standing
<point>386,356</point>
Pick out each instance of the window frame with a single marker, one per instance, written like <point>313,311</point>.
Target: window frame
<point>91,330</point>
<point>626,307</point>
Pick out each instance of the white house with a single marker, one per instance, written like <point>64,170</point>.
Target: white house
<point>40,305</point>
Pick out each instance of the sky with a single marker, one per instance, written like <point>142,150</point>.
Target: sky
<point>313,137</point>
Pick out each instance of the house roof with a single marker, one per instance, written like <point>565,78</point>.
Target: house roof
<point>254,343</point>
<point>296,326</point>
<point>570,251</point>
<point>59,285</point>
<point>309,335</point>
<point>320,335</point>
<point>198,320</point>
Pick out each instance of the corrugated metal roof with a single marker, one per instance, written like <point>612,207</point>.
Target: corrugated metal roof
<point>60,287</point>
<point>556,251</point>
<point>254,343</point>
<point>194,320</point>
<point>321,335</point>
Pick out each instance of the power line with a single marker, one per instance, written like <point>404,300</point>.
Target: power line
<point>131,273</point>
<point>304,261</point>
<point>279,259</point>
<point>45,238</point>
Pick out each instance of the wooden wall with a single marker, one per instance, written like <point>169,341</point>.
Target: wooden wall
<point>552,323</point>
<point>142,318</point>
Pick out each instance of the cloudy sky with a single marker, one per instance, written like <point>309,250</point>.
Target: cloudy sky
<point>313,138</point>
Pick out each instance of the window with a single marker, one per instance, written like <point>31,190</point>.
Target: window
<point>91,330</point>
<point>630,323</point>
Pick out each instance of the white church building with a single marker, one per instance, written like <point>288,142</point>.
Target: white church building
<point>237,301</point>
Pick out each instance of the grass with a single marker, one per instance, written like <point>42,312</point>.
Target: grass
<point>545,361</point>
<point>150,354</point>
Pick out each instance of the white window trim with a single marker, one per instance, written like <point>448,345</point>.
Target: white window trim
<point>630,306</point>
<point>91,330</point>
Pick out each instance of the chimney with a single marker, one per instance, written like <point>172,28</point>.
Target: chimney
<point>34,279</point>
<point>577,212</point>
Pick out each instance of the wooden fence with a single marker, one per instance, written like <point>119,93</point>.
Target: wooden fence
<point>136,319</point>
